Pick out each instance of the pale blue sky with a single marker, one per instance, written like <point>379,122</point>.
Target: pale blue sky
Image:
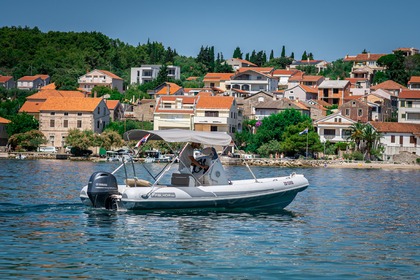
<point>329,29</point>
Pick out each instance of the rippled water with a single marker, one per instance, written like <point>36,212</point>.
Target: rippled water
<point>349,224</point>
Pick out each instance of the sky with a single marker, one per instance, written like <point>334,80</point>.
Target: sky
<point>329,29</point>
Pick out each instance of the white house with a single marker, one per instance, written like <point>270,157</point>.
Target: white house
<point>409,106</point>
<point>174,111</point>
<point>100,78</point>
<point>301,92</point>
<point>253,81</point>
<point>398,137</point>
<point>334,128</point>
<point>147,73</point>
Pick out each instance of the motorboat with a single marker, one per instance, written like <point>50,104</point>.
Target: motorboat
<point>155,156</point>
<point>203,189</point>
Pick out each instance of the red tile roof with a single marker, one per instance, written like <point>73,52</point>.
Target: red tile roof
<point>264,70</point>
<point>396,127</point>
<point>217,77</point>
<point>49,86</point>
<point>414,79</point>
<point>111,104</point>
<point>79,104</point>
<point>409,94</point>
<point>173,88</point>
<point>29,78</point>
<point>389,84</point>
<point>31,106</point>
<point>190,100</point>
<point>215,102</point>
<point>112,75</point>
<point>364,57</point>
<point>4,79</point>
<point>4,121</point>
<point>46,93</point>
<point>309,89</point>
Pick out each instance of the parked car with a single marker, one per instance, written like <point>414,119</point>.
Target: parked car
<point>68,149</point>
<point>47,149</point>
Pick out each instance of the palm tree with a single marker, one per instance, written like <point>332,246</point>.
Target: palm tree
<point>371,137</point>
<point>356,133</point>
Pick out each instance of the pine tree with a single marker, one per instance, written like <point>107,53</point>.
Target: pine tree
<point>237,53</point>
<point>283,51</point>
<point>292,56</point>
<point>271,54</point>
<point>304,56</point>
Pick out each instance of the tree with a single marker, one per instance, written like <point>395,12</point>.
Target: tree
<point>271,55</point>
<point>21,123</point>
<point>304,56</point>
<point>109,139</point>
<point>371,138</point>
<point>29,140</point>
<point>81,139</point>
<point>356,134</point>
<point>337,70</point>
<point>394,67</point>
<point>237,53</point>
<point>283,51</point>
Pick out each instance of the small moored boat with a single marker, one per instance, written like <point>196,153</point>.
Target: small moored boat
<point>208,189</point>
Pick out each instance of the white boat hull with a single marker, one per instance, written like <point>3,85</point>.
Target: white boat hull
<point>265,193</point>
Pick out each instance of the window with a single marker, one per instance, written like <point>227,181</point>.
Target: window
<point>360,112</point>
<point>347,112</point>
<point>335,90</point>
<point>52,113</point>
<point>261,99</point>
<point>213,128</point>
<point>211,114</point>
<point>392,138</point>
<point>402,103</point>
<point>413,116</point>
<point>167,105</point>
<point>98,124</point>
<point>325,92</point>
<point>52,123</point>
<point>353,104</point>
<point>403,116</point>
<point>99,110</point>
<point>329,132</point>
<point>79,114</point>
<point>409,104</point>
<point>66,123</point>
<point>66,114</point>
<point>412,140</point>
<point>79,124</point>
<point>401,140</point>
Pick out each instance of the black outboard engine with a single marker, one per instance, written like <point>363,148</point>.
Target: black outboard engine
<point>103,190</point>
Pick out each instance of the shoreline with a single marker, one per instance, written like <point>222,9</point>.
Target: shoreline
<point>251,162</point>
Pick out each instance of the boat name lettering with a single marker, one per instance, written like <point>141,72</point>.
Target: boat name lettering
<point>171,195</point>
<point>101,184</point>
<point>287,183</point>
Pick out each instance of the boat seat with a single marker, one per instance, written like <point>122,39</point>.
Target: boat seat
<point>182,179</point>
<point>135,182</point>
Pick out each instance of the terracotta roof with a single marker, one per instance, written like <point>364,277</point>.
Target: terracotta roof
<point>409,94</point>
<point>42,76</point>
<point>29,78</point>
<point>396,127</point>
<point>414,79</point>
<point>364,57</point>
<point>31,106</point>
<point>284,72</point>
<point>173,88</point>
<point>49,86</point>
<point>4,79</point>
<point>309,89</point>
<point>112,75</point>
<point>217,77</point>
<point>80,104</point>
<point>215,102</point>
<point>111,104</point>
<point>4,121</point>
<point>389,84</point>
<point>244,61</point>
<point>46,93</point>
<point>264,70</point>
<point>192,78</point>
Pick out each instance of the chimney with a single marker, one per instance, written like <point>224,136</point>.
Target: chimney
<point>368,54</point>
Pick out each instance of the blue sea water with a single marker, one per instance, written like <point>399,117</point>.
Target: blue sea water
<point>349,224</point>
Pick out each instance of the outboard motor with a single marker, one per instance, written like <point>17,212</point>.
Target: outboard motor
<point>103,190</point>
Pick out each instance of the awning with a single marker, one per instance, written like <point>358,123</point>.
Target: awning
<point>212,138</point>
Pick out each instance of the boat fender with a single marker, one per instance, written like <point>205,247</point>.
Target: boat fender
<point>135,182</point>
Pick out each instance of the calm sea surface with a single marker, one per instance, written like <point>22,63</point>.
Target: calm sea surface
<point>349,224</point>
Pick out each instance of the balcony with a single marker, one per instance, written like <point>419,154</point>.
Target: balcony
<point>210,120</point>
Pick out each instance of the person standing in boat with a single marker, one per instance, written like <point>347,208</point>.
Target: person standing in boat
<point>186,159</point>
